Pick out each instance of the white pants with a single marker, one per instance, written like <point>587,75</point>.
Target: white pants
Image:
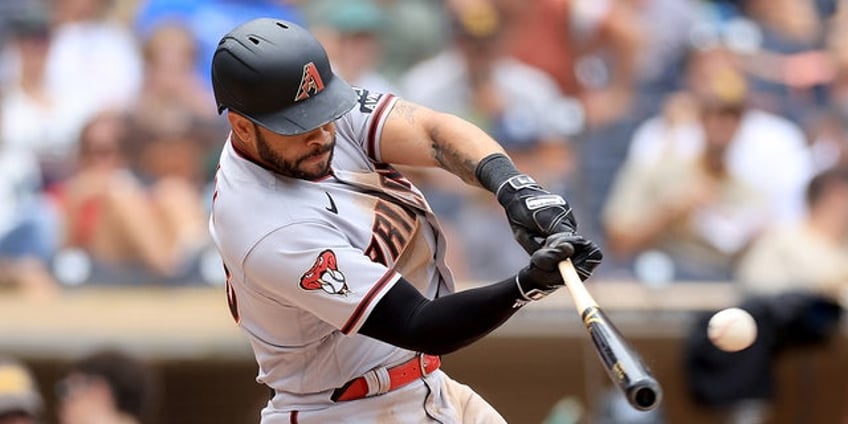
<point>436,398</point>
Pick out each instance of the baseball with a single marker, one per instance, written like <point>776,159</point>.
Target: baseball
<point>732,329</point>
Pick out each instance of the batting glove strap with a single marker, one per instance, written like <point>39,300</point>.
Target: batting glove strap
<point>494,170</point>
<point>514,184</point>
<point>533,212</point>
<point>530,295</point>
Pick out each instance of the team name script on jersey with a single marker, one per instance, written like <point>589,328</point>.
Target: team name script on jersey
<point>393,226</point>
<point>394,222</point>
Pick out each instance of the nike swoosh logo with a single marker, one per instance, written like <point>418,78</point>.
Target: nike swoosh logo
<point>332,208</point>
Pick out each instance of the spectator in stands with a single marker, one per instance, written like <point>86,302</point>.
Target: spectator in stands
<point>517,104</point>
<point>21,401</point>
<point>776,264</point>
<point>28,102</point>
<point>28,220</point>
<point>416,30</point>
<point>175,102</point>
<point>209,20</point>
<point>28,225</point>
<point>663,48</point>
<point>770,141</point>
<point>699,184</point>
<point>108,387</point>
<point>476,79</point>
<point>352,33</point>
<point>593,49</point>
<point>133,231</point>
<point>174,98</point>
<point>788,63</point>
<point>590,47</point>
<point>827,126</point>
<point>93,61</point>
<point>172,156</point>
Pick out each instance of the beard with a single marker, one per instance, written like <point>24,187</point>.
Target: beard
<point>294,168</point>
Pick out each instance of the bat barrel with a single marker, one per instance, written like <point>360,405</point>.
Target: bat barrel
<point>623,365</point>
<point>622,362</point>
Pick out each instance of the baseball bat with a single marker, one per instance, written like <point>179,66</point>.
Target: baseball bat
<point>623,365</point>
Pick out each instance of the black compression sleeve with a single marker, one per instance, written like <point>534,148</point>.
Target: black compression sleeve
<point>493,170</point>
<point>405,318</point>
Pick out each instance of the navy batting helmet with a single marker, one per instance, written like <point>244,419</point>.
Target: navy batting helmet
<point>278,75</point>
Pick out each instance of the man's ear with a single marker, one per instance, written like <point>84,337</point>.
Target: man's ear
<point>242,127</point>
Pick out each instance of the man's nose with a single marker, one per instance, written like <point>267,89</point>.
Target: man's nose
<point>318,135</point>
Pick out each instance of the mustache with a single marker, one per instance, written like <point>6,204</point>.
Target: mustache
<point>318,152</point>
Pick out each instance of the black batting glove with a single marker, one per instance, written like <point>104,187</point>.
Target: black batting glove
<point>542,277</point>
<point>533,212</point>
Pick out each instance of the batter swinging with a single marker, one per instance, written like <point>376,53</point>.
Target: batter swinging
<point>334,261</point>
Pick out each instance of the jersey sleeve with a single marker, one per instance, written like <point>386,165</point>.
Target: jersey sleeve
<point>313,267</point>
<point>364,123</point>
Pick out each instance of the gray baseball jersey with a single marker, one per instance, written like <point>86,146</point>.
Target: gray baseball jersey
<point>307,261</point>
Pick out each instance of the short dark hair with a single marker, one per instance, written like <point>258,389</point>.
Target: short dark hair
<point>823,180</point>
<point>130,380</point>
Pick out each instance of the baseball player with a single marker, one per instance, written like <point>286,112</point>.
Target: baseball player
<point>335,263</point>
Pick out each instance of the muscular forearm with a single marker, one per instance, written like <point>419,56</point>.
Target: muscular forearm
<point>407,319</point>
<point>415,135</point>
<point>459,146</point>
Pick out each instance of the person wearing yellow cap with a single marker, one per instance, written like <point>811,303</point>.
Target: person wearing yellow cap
<point>20,399</point>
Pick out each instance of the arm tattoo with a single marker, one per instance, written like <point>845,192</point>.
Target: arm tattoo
<point>406,111</point>
<point>454,161</point>
<point>448,157</point>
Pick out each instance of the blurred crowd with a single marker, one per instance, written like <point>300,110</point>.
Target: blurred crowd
<point>103,386</point>
<point>698,140</point>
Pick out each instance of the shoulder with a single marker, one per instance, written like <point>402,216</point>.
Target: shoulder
<point>368,104</point>
<point>241,221</point>
<point>248,204</point>
<point>359,129</point>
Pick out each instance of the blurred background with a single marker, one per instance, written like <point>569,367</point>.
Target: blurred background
<point>702,143</point>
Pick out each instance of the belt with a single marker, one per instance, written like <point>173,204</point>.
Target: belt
<point>382,380</point>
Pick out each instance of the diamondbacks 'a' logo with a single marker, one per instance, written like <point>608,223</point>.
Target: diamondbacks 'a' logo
<point>325,275</point>
<point>310,83</point>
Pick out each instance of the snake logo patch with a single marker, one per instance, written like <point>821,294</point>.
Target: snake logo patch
<point>310,83</point>
<point>325,275</point>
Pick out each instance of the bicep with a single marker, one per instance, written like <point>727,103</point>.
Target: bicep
<point>406,137</point>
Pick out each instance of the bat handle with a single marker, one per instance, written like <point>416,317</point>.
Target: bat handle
<point>582,298</point>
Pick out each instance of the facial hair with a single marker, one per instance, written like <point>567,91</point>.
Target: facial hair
<point>293,168</point>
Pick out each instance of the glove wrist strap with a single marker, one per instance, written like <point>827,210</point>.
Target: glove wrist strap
<point>494,170</point>
<point>530,295</point>
<point>515,183</point>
